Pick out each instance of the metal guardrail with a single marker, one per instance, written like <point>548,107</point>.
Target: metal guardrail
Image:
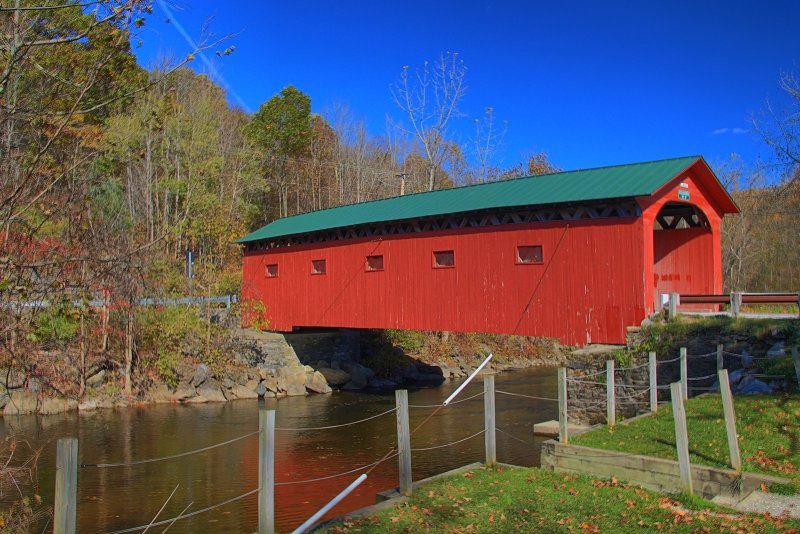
<point>227,300</point>
<point>735,300</point>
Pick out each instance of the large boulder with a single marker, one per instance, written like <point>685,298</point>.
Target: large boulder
<point>381,384</point>
<point>51,406</point>
<point>360,374</point>
<point>160,394</point>
<point>295,390</point>
<point>184,393</point>
<point>777,350</point>
<point>97,378</point>
<point>268,378</point>
<point>735,376</point>
<point>335,377</point>
<point>21,402</point>
<point>95,404</point>
<point>201,374</point>
<point>315,381</point>
<point>211,390</point>
<point>752,386</point>
<point>262,391</point>
<point>410,372</point>
<point>243,392</point>
<point>291,380</point>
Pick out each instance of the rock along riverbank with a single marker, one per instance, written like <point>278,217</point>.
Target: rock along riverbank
<point>274,365</point>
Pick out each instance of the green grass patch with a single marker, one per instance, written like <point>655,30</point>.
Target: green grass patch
<point>768,428</point>
<point>535,500</point>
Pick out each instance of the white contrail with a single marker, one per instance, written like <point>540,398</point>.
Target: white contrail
<point>191,42</point>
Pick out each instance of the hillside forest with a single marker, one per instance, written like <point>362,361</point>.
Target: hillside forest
<point>110,172</point>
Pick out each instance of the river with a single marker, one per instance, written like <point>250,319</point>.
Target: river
<point>114,498</point>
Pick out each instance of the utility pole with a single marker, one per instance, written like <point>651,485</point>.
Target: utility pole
<point>190,268</point>
<point>402,176</point>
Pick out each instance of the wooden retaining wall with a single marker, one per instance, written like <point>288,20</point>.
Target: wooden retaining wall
<point>652,473</point>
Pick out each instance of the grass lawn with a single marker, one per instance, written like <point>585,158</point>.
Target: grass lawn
<point>535,500</point>
<point>768,428</point>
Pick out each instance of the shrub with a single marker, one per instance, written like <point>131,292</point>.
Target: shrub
<point>169,333</point>
<point>254,314</point>
<point>56,325</point>
<point>411,341</point>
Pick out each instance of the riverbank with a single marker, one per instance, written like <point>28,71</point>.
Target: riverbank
<point>274,365</point>
<point>248,364</point>
<point>535,500</point>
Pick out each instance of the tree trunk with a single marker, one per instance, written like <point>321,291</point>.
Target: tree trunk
<point>129,348</point>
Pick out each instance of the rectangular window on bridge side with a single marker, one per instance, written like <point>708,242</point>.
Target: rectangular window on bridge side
<point>272,270</point>
<point>318,267</point>
<point>444,259</point>
<point>375,263</point>
<point>530,255</point>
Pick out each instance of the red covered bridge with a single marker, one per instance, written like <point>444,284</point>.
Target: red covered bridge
<point>576,255</point>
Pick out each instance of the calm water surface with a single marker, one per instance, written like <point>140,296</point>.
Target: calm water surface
<point>116,498</point>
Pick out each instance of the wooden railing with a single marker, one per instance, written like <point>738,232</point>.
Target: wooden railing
<point>735,301</point>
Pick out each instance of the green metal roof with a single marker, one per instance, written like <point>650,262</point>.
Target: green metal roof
<point>619,181</point>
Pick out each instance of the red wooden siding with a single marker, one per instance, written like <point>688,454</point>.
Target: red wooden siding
<point>683,261</point>
<point>587,289</point>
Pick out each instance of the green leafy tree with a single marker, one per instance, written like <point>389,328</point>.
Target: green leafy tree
<point>282,130</point>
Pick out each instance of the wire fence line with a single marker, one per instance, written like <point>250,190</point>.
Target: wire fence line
<point>633,386</point>
<point>587,375</point>
<point>420,449</point>
<point>757,358</point>
<point>480,394</point>
<point>185,516</point>
<point>351,423</point>
<point>633,396</point>
<point>706,377</point>
<point>328,477</point>
<point>525,396</point>
<point>576,381</point>
<point>171,456</point>
<point>633,367</point>
<point>512,436</point>
<point>584,405</point>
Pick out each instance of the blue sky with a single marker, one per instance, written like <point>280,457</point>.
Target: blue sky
<point>590,83</point>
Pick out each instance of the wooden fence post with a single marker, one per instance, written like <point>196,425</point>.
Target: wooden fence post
<point>266,471</point>
<point>653,368</point>
<point>720,362</point>
<point>736,303</point>
<point>611,408</point>
<point>730,419</point>
<point>403,441</point>
<point>684,373</point>
<point>674,302</point>
<point>489,421</point>
<point>796,359</point>
<point>66,496</point>
<point>681,436</point>
<point>563,435</point>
